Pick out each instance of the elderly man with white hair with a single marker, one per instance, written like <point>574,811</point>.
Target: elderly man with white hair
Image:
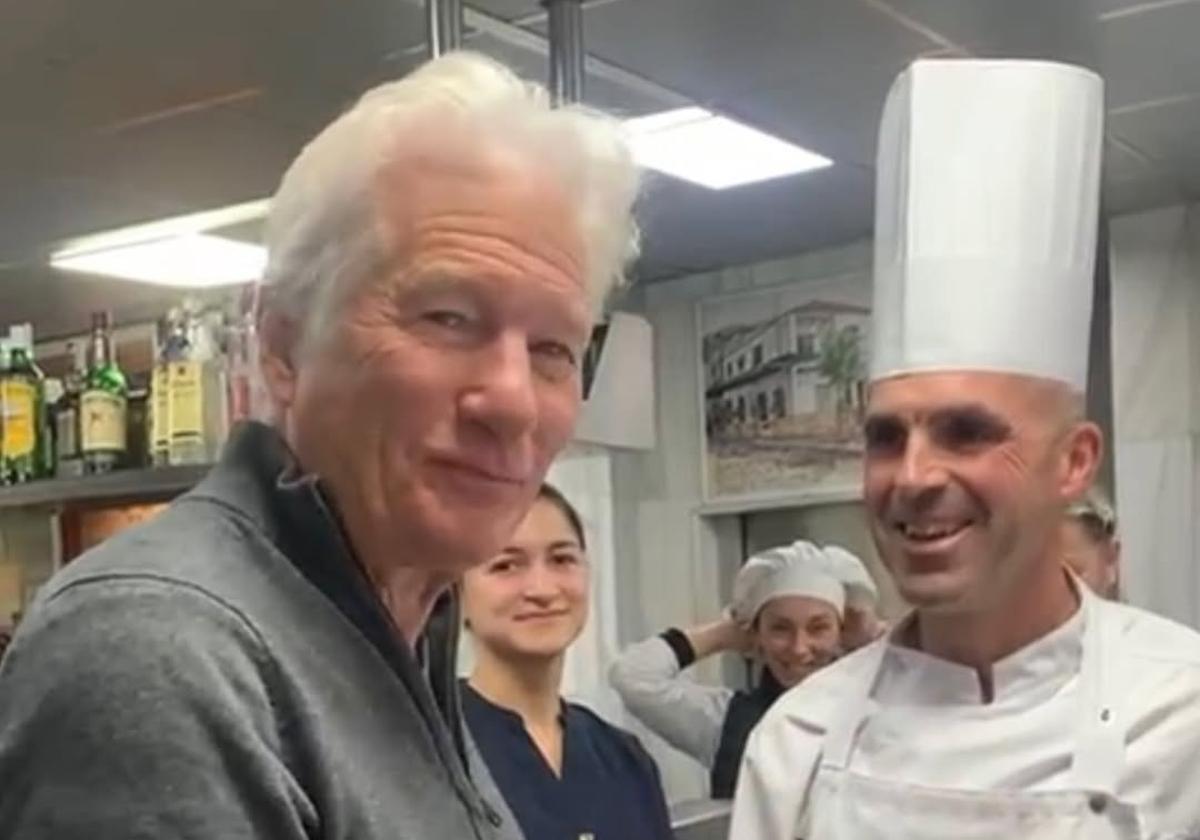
<point>787,612</point>
<point>247,665</point>
<point>1012,702</point>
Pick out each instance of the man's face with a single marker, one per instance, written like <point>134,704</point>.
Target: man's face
<point>435,402</point>
<point>966,475</point>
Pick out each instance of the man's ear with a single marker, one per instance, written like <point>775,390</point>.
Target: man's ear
<point>278,344</point>
<point>1082,451</point>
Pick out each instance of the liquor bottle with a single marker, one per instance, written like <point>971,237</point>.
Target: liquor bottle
<point>53,393</point>
<point>4,359</point>
<point>68,456</point>
<point>137,421</point>
<point>186,386</point>
<point>102,404</point>
<point>22,334</point>
<point>160,391</point>
<point>19,398</point>
<point>213,348</point>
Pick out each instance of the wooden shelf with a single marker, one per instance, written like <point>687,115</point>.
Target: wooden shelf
<point>145,485</point>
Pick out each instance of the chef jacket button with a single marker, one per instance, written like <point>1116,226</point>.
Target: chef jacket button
<point>1097,802</point>
<point>1106,715</point>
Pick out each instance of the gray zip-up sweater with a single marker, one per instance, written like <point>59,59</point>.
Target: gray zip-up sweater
<point>225,672</point>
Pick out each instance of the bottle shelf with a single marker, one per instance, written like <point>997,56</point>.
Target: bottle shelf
<point>139,485</point>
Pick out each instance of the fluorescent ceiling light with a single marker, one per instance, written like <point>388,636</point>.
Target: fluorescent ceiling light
<point>172,252</point>
<point>715,151</point>
<point>191,260</point>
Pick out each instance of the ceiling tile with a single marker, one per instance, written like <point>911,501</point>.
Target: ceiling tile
<point>1066,30</point>
<point>688,226</point>
<point>1121,161</point>
<point>533,64</point>
<point>1168,133</point>
<point>1152,55</point>
<point>716,50</point>
<point>1133,195</point>
<point>1113,9</point>
<point>836,114</point>
<point>192,162</point>
<point>507,9</point>
<point>814,73</point>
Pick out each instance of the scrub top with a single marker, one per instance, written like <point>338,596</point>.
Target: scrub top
<point>609,788</point>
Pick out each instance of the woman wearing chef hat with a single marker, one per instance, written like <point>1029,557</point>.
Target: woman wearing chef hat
<point>787,611</point>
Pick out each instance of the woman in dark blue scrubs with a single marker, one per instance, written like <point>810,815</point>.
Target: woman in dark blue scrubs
<point>565,773</point>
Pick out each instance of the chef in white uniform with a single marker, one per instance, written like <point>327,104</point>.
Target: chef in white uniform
<point>787,613</point>
<point>1012,703</point>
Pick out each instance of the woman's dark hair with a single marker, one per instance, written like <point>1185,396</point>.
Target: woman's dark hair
<point>555,497</point>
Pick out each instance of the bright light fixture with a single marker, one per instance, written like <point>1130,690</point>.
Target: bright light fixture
<point>193,260</point>
<point>172,252</point>
<point>714,151</point>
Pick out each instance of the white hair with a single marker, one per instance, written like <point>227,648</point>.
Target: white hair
<point>322,230</point>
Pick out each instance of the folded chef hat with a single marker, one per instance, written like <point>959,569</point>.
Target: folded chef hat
<point>986,206</point>
<point>797,569</point>
<point>861,591</point>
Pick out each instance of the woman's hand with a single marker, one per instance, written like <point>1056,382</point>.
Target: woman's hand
<point>725,635</point>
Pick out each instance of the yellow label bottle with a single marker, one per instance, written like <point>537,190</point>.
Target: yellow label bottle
<point>18,418</point>
<point>160,414</point>
<point>187,413</point>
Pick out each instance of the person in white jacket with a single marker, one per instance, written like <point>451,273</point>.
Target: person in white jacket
<point>1012,702</point>
<point>787,612</point>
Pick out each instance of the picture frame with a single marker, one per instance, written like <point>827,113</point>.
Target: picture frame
<point>782,375</point>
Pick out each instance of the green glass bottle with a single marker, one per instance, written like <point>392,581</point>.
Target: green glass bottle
<point>102,404</point>
<point>69,459</point>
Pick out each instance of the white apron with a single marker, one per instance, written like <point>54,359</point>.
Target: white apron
<point>849,806</point>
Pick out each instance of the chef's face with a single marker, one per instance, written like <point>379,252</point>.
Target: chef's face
<point>531,600</point>
<point>796,635</point>
<point>966,478</point>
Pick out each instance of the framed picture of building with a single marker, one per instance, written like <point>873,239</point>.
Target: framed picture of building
<point>783,378</point>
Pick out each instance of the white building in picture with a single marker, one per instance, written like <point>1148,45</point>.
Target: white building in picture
<point>792,367</point>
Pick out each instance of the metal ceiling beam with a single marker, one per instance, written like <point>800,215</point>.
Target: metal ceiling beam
<point>443,26</point>
<point>566,49</point>
<point>476,22</point>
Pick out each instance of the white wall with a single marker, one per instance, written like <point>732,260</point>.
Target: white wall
<point>1156,407</point>
<point>675,565</point>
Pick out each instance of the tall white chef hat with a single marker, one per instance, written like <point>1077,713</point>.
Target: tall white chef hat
<point>986,208</point>
<point>861,591</point>
<point>797,569</point>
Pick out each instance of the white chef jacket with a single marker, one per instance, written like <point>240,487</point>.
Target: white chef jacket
<point>927,725</point>
<point>686,714</point>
